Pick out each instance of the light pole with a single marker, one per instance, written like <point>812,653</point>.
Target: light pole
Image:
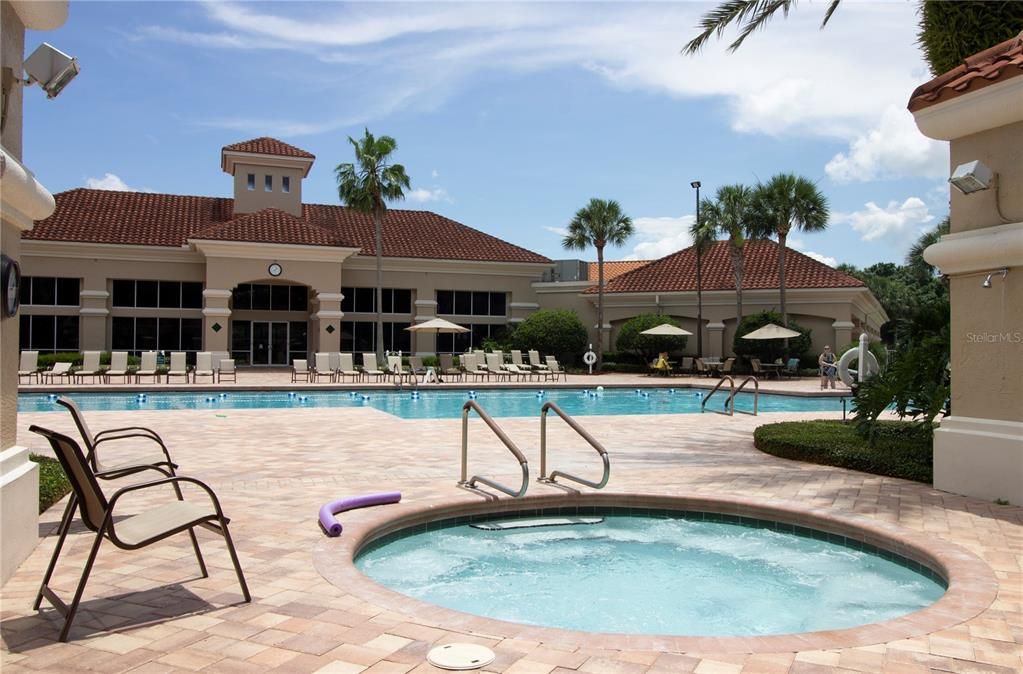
<point>698,244</point>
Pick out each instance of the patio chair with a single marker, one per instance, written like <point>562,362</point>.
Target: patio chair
<point>397,371</point>
<point>178,366</point>
<point>758,369</point>
<point>519,373</point>
<point>791,368</point>
<point>415,364</point>
<point>726,368</point>
<point>535,362</point>
<point>147,368</point>
<point>28,366</point>
<point>335,363</point>
<point>346,367</point>
<point>127,531</point>
<point>495,367</point>
<point>299,368</point>
<point>516,359</point>
<point>447,366</point>
<point>321,367</point>
<point>57,371</point>
<point>227,369</point>
<point>118,367</point>
<point>554,370</point>
<point>204,367</point>
<point>687,364</point>
<point>370,369</point>
<point>467,364</point>
<point>700,368</point>
<point>90,367</point>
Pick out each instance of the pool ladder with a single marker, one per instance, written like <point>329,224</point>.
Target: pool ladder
<point>733,390</point>
<point>466,481</point>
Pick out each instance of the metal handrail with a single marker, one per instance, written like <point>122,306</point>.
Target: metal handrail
<point>523,463</point>
<point>738,390</point>
<point>731,389</point>
<point>548,406</point>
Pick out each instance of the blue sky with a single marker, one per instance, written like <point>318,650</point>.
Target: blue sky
<point>508,116</point>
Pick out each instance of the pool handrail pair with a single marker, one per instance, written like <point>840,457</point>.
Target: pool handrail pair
<point>733,390</point>
<point>466,481</point>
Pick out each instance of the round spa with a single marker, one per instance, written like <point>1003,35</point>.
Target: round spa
<point>649,571</point>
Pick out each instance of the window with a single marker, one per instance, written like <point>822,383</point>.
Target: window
<point>50,291</point>
<point>266,297</point>
<point>251,184</point>
<point>359,336</point>
<point>285,184</point>
<point>463,341</point>
<point>471,303</point>
<point>146,293</point>
<point>268,183</point>
<point>363,300</point>
<point>128,333</point>
<point>157,294</point>
<point>48,333</point>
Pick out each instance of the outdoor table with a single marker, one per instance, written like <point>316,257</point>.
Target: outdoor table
<point>771,368</point>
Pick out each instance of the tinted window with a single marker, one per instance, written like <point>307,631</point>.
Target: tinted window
<point>145,334</point>
<point>44,290</point>
<point>124,293</point>
<point>497,304</point>
<point>42,333</point>
<point>170,295</point>
<point>67,292</point>
<point>146,293</point>
<point>191,334</point>
<point>364,300</point>
<point>348,302</point>
<point>25,294</point>
<point>242,297</point>
<point>67,333</point>
<point>260,297</point>
<point>170,334</point>
<point>463,302</point>
<point>445,301</point>
<point>191,296</point>
<point>300,299</point>
<point>280,297</point>
<point>122,333</point>
<point>403,301</point>
<point>481,304</point>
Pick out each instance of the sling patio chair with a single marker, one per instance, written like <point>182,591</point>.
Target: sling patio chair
<point>321,367</point>
<point>178,366</point>
<point>90,367</point>
<point>495,368</point>
<point>58,371</point>
<point>554,370</point>
<point>127,532</point>
<point>346,367</point>
<point>204,367</point>
<point>227,369</point>
<point>415,363</point>
<point>397,371</point>
<point>369,367</point>
<point>147,368</point>
<point>516,356</point>
<point>299,368</point>
<point>447,366</point>
<point>28,366</point>
<point>472,367</point>
<point>535,362</point>
<point>118,367</point>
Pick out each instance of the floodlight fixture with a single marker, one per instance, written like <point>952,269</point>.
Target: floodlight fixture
<point>973,176</point>
<point>51,69</point>
<point>695,184</point>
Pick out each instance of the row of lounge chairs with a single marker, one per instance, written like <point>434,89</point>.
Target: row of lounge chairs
<point>207,364</point>
<point>700,367</point>
<point>336,367</point>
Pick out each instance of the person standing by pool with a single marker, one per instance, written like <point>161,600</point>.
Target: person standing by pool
<point>828,368</point>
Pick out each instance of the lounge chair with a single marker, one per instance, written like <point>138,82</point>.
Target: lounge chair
<point>535,362</point>
<point>554,370</point>
<point>346,367</point>
<point>791,368</point>
<point>726,368</point>
<point>321,367</point>
<point>471,366</point>
<point>447,366</point>
<point>335,363</point>
<point>495,368</point>
<point>415,363</point>
<point>90,367</point>
<point>147,368</point>
<point>299,368</point>
<point>758,369</point>
<point>227,369</point>
<point>178,366</point>
<point>687,364</point>
<point>397,371</point>
<point>57,371</point>
<point>204,367</point>
<point>521,373</point>
<point>516,357</point>
<point>118,367</point>
<point>126,531</point>
<point>369,367</point>
<point>700,368</point>
<point>28,366</point>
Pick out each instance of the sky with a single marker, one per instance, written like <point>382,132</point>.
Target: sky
<point>508,116</point>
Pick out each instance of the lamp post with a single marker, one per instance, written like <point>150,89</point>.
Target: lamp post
<point>699,275</point>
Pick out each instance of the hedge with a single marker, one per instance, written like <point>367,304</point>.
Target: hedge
<point>899,450</point>
<point>53,483</point>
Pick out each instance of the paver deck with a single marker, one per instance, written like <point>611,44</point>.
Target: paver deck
<point>149,611</point>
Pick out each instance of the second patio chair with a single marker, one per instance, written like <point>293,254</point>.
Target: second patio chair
<point>90,367</point>
<point>204,367</point>
<point>370,370</point>
<point>178,366</point>
<point>28,366</point>
<point>346,368</point>
<point>118,367</point>
<point>321,367</point>
<point>59,371</point>
<point>147,368</point>
<point>447,366</point>
<point>299,368</point>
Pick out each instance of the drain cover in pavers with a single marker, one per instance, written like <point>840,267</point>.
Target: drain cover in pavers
<point>460,656</point>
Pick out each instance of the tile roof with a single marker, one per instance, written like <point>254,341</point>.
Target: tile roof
<point>991,66</point>
<point>613,269</point>
<point>149,219</point>
<point>677,272</point>
<point>267,145</point>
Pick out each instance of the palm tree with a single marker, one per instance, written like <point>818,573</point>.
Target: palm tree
<point>703,235</point>
<point>731,213</point>
<point>752,14</point>
<point>597,224</point>
<point>785,202</point>
<point>367,186</point>
<point>915,258</point>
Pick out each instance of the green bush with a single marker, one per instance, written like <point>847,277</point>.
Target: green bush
<point>646,347</point>
<point>898,450</point>
<point>557,332</point>
<point>46,360</point>
<point>768,350</point>
<point>53,483</point>
<point>951,31</point>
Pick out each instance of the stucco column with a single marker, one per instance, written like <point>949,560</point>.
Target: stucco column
<point>520,311</point>
<point>714,345</point>
<point>423,342</point>
<point>92,328</point>
<point>216,320</point>
<point>843,336</point>
<point>327,321</point>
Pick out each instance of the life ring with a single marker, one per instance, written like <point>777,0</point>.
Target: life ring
<point>589,358</point>
<point>848,375</point>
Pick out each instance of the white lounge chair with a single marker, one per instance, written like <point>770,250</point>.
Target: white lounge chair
<point>554,370</point>
<point>204,367</point>
<point>494,366</point>
<point>90,367</point>
<point>28,366</point>
<point>369,367</point>
<point>147,368</point>
<point>227,369</point>
<point>58,371</point>
<point>535,362</point>
<point>299,368</point>
<point>516,356</point>
<point>321,367</point>
<point>118,367</point>
<point>447,366</point>
<point>346,367</point>
<point>178,366</point>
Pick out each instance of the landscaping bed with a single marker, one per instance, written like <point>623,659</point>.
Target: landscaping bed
<point>900,449</point>
<point>53,484</point>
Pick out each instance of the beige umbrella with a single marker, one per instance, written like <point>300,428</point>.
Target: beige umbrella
<point>436,326</point>
<point>771,331</point>
<point>666,330</point>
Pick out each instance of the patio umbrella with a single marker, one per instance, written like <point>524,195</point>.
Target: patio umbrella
<point>436,326</point>
<point>771,331</point>
<point>666,330</point>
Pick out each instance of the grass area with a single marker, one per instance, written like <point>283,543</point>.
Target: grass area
<point>53,483</point>
<point>899,450</point>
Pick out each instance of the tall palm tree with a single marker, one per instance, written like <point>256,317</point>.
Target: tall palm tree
<point>751,14</point>
<point>367,185</point>
<point>731,213</point>
<point>915,258</point>
<point>784,202</point>
<point>703,236</point>
<point>597,224</point>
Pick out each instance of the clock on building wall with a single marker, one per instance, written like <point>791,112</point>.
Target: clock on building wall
<point>10,285</point>
<point>275,269</point>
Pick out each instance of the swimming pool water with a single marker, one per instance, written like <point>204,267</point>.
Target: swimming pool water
<point>437,404</point>
<point>652,575</point>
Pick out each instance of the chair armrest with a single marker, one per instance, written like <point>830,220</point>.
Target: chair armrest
<point>137,429</point>
<point>124,436</point>
<point>178,479</point>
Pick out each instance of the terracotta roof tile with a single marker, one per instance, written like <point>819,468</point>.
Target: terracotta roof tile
<point>991,66</point>
<point>677,272</point>
<point>613,269</point>
<point>148,219</point>
<point>266,145</point>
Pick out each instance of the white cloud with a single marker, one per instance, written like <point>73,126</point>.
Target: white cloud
<point>109,181</point>
<point>894,148</point>
<point>656,237</point>
<point>825,259</point>
<point>423,195</point>
<point>435,173</point>
<point>897,224</point>
<point>560,231</point>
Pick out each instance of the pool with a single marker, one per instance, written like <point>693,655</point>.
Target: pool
<point>434,404</point>
<point>650,571</point>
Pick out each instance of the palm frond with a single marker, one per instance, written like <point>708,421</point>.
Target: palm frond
<point>717,20</point>
<point>831,10</point>
<point>765,11</point>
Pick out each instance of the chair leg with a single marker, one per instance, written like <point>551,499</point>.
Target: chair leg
<point>73,608</point>
<point>234,559</point>
<point>65,526</point>
<point>191,532</point>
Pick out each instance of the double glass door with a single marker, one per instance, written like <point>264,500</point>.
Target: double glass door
<point>269,342</point>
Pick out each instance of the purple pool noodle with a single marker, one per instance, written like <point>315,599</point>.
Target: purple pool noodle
<point>327,512</point>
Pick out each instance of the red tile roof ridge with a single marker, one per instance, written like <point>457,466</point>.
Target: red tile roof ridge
<point>269,225</point>
<point>268,145</point>
<point>995,64</point>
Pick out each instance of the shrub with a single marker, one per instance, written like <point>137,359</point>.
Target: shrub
<point>557,332</point>
<point>899,449</point>
<point>53,483</point>
<point>768,350</point>
<point>647,346</point>
<point>47,360</point>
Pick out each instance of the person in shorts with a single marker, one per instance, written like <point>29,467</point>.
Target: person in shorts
<point>829,370</point>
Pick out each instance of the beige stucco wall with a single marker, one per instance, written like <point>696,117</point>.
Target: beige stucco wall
<point>12,48</point>
<point>10,244</point>
<point>1001,150</point>
<point>248,201</point>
